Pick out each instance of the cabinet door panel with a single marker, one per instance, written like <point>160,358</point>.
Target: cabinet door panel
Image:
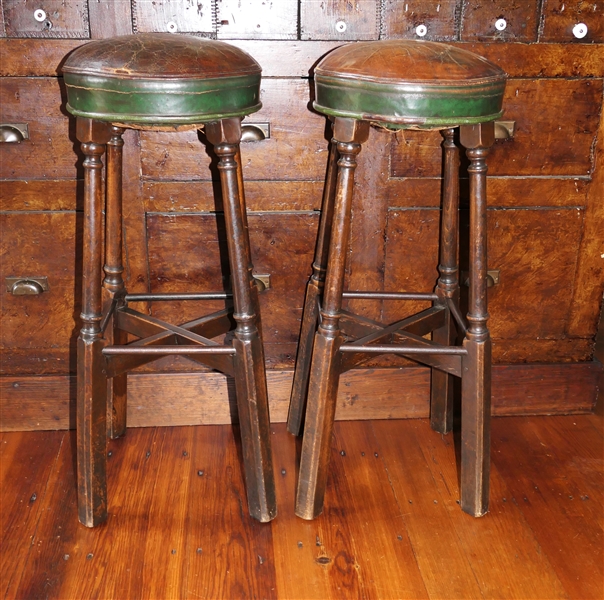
<point>188,252</point>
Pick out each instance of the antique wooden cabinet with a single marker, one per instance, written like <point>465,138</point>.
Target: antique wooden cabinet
<point>546,195</point>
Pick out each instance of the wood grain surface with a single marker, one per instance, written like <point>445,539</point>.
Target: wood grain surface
<point>155,399</point>
<point>392,527</point>
<point>544,187</point>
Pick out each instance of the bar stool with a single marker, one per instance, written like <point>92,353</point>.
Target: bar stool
<point>399,84</point>
<point>166,82</point>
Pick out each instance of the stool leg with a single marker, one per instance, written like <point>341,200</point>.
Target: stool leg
<point>250,375</point>
<point>314,289</point>
<point>246,238</point>
<point>325,363</point>
<point>441,401</point>
<point>91,381</point>
<point>476,366</point>
<point>113,284</point>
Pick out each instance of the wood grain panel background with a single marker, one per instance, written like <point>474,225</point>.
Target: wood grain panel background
<point>546,214</point>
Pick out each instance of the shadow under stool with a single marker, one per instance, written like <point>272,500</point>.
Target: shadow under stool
<point>400,84</point>
<point>163,82</point>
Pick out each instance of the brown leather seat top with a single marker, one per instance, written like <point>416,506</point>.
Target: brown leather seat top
<point>161,56</point>
<point>408,61</point>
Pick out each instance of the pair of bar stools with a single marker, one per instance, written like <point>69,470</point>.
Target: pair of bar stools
<point>168,82</point>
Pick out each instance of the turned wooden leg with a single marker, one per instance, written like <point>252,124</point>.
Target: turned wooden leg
<point>113,284</point>
<point>325,363</point>
<point>314,289</point>
<point>91,381</point>
<point>254,290</point>
<point>250,375</point>
<point>447,288</point>
<point>476,369</point>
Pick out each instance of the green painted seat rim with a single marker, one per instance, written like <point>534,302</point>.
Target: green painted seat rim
<point>160,101</point>
<point>403,105</point>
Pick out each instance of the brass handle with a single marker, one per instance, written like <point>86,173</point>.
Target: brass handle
<point>263,282</point>
<point>505,130</point>
<point>26,286</point>
<point>14,132</point>
<point>492,278</point>
<point>255,132</point>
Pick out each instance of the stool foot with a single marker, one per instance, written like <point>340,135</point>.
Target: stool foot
<point>475,427</point>
<point>318,426</point>
<point>91,433</point>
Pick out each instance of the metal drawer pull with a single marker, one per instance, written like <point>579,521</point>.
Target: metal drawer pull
<point>26,286</point>
<point>14,132</point>
<point>505,130</point>
<point>255,132</point>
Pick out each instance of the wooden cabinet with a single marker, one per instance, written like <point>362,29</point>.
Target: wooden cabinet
<point>546,214</point>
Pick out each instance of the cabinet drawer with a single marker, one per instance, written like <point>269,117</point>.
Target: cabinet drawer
<point>49,153</point>
<point>560,17</point>
<point>173,16</point>
<point>296,149</point>
<point>535,251</point>
<point>188,252</point>
<point>556,124</point>
<point>39,332</point>
<point>257,19</point>
<point>46,18</point>
<point>339,19</point>
<point>439,17</point>
<point>502,20</point>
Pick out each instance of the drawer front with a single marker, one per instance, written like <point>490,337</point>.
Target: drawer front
<point>339,19</point>
<point>554,136</point>
<point>421,19</point>
<point>173,16</point>
<point>39,331</point>
<point>535,251</point>
<point>296,149</point>
<point>502,20</point>
<point>50,151</point>
<point>254,19</point>
<point>560,18</point>
<point>188,252</point>
<point>46,18</point>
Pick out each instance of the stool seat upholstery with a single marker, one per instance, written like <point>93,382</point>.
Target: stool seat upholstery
<point>409,84</point>
<point>161,79</point>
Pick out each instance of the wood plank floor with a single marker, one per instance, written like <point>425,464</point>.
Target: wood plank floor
<point>392,527</point>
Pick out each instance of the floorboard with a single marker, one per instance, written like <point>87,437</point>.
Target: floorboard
<point>178,524</point>
<point>557,485</point>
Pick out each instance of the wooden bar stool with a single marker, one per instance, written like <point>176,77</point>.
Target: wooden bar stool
<point>166,82</point>
<point>400,84</point>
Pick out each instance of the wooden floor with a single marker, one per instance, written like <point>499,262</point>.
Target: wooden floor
<point>392,528</point>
